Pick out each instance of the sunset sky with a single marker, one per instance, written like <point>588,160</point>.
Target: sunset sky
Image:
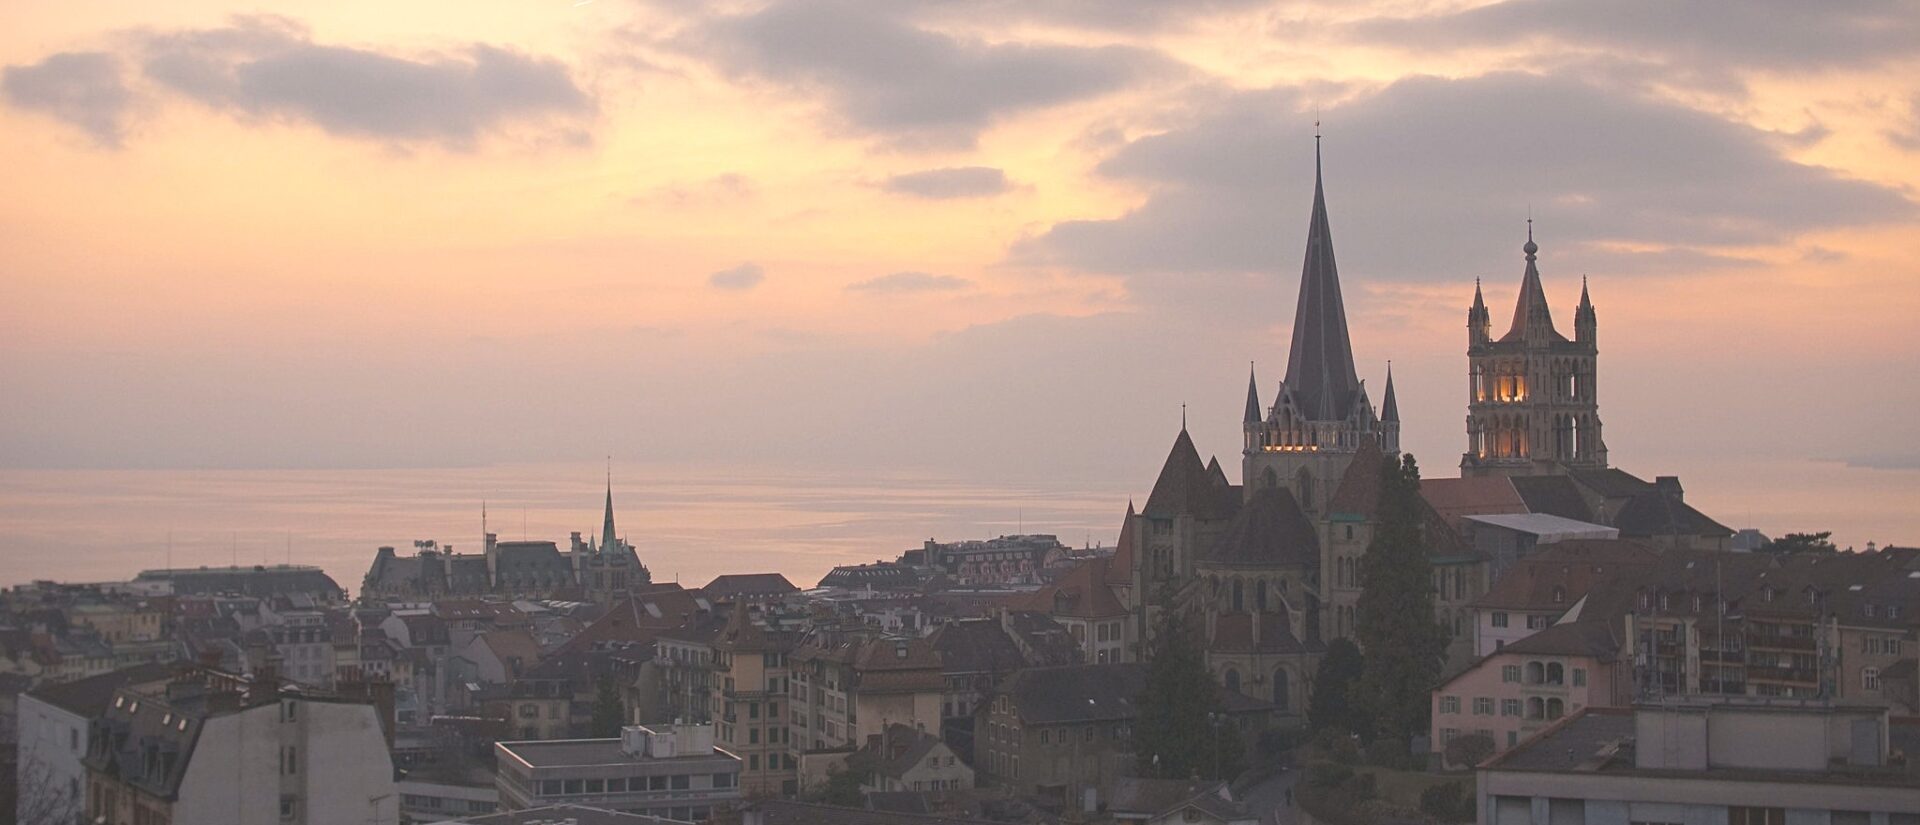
<point>984,239</point>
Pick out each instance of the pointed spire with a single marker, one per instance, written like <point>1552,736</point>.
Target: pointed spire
<point>1586,303</point>
<point>1252,415</point>
<point>1320,369</point>
<point>606,526</point>
<point>1389,408</point>
<point>1531,308</point>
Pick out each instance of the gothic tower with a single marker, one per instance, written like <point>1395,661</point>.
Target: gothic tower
<point>1321,413</point>
<point>1532,406</point>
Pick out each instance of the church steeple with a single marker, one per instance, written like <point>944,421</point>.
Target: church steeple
<point>1584,325</point>
<point>1479,322</point>
<point>607,540</point>
<point>1530,313</point>
<point>1320,372</point>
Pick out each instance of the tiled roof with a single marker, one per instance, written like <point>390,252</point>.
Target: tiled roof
<point>90,697</point>
<point>1082,593</point>
<point>748,584</point>
<point>1359,490</point>
<point>1185,488</point>
<point>1595,639</point>
<point>1270,530</point>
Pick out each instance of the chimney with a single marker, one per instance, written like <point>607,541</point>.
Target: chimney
<point>1669,486</point>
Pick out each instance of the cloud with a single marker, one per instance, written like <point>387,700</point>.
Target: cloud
<point>905,282</point>
<point>1431,178</point>
<point>954,182</point>
<point>884,75</point>
<point>82,88</point>
<point>740,278</point>
<point>1703,34</point>
<point>270,67</point>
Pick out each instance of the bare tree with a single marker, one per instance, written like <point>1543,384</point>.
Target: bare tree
<point>40,798</point>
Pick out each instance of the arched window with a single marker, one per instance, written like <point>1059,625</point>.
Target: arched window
<point>1536,673</point>
<point>1238,603</point>
<point>1536,708</point>
<point>1232,680</point>
<point>1260,595</point>
<point>1280,697</point>
<point>1305,481</point>
<point>1270,478</point>
<point>1556,674</point>
<point>1555,709</point>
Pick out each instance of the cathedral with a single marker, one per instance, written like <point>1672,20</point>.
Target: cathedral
<point>1245,560</point>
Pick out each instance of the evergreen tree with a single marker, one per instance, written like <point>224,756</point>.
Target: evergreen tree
<point>1174,724</point>
<point>1404,645</point>
<point>609,714</point>
<point>1331,706</point>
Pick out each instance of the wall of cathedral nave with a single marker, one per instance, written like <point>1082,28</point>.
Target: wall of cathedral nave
<point>1283,679</point>
<point>1342,544</point>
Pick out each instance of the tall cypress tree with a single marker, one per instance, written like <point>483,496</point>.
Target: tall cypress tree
<point>1173,723</point>
<point>1404,645</point>
<point>609,713</point>
<point>1331,705</point>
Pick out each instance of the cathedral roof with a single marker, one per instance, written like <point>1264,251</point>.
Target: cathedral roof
<point>1359,490</point>
<point>1320,372</point>
<point>1271,530</point>
<point>1185,488</point>
<point>1531,308</point>
<point>1120,570</point>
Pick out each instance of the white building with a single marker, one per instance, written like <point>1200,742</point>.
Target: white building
<point>53,724</point>
<point>1733,761</point>
<point>671,771</point>
<point>213,747</point>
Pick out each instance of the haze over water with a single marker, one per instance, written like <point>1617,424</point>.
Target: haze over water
<point>694,522</point>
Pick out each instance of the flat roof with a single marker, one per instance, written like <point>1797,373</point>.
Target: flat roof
<point>564,753</point>
<point>1547,526</point>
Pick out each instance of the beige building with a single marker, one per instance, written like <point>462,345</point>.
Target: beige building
<point>1738,762</point>
<point>905,758</point>
<point>1527,686</point>
<point>749,703</point>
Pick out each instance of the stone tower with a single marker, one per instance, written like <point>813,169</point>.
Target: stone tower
<point>1532,405</point>
<point>1321,413</point>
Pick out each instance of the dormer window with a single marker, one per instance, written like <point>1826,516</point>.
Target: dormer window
<point>1559,594</point>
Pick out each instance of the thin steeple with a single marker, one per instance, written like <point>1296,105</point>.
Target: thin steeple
<point>1389,408</point>
<point>1253,398</point>
<point>606,526</point>
<point>1531,308</point>
<point>1320,371</point>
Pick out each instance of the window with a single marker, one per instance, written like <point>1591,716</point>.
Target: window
<point>1510,673</point>
<point>1756,816</point>
<point>681,781</point>
<point>1483,706</point>
<point>1539,622</point>
<point>1449,704</point>
<point>290,761</point>
<point>1579,677</point>
<point>1499,619</point>
<point>753,761</point>
<point>1870,678</point>
<point>1509,707</point>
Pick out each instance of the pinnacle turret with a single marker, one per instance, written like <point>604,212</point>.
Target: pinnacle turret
<point>1389,408</point>
<point>1252,415</point>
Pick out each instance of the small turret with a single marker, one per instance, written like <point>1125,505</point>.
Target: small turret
<point>1479,322</point>
<point>1584,324</point>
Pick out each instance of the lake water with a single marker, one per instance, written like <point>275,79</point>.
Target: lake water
<point>692,523</point>
<point>689,524</point>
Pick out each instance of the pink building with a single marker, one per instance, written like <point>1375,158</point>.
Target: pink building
<point>1532,683</point>
<point>1572,580</point>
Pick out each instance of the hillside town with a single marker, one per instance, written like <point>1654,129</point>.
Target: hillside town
<point>1343,635</point>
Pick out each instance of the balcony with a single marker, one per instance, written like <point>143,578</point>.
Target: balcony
<point>1782,642</point>
<point>1734,656</point>
<point>1806,676</point>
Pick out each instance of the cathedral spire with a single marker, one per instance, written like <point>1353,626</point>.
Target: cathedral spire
<point>1389,408</point>
<point>1253,398</point>
<point>1320,371</point>
<point>606,527</point>
<point>1531,309</point>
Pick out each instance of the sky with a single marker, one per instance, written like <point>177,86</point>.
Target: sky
<point>992,240</point>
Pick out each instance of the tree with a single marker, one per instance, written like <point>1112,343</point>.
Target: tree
<point>1177,708</point>
<point>1331,706</point>
<point>1801,543</point>
<point>841,788</point>
<point>39,797</point>
<point>609,714</point>
<point>1469,750</point>
<point>1404,645</point>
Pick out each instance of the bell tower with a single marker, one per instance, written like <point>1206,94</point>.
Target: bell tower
<point>1532,404</point>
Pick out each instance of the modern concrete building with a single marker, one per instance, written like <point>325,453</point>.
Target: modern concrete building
<point>1737,762</point>
<point>672,771</point>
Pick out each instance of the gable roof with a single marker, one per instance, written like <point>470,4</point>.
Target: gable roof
<point>1120,570</point>
<point>1184,487</point>
<point>1082,592</point>
<point>1359,490</point>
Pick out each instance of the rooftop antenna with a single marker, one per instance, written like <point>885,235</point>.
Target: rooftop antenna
<point>235,549</point>
<point>1183,417</point>
<point>170,549</point>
